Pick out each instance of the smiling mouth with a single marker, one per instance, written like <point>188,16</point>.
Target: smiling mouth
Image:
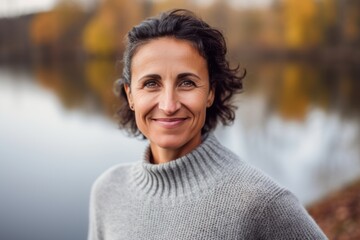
<point>169,122</point>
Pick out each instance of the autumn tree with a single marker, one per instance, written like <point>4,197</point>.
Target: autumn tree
<point>56,32</point>
<point>301,23</point>
<point>104,34</point>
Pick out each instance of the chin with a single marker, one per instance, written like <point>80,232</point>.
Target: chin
<point>169,142</point>
<point>174,142</point>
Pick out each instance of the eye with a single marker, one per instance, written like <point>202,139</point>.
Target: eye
<point>187,83</point>
<point>150,84</point>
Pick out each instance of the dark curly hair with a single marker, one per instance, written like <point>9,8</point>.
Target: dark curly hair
<point>183,24</point>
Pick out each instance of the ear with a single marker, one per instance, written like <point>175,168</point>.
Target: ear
<point>211,97</point>
<point>129,95</point>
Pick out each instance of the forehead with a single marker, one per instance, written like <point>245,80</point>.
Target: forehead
<point>166,49</point>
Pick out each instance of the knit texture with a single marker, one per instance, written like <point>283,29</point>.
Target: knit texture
<point>207,194</point>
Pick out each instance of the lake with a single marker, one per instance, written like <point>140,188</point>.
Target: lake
<point>298,122</point>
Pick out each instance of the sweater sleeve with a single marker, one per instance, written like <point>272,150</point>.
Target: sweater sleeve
<point>93,219</point>
<point>285,218</point>
<point>96,225</point>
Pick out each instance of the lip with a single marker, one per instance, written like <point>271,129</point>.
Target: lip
<point>169,122</point>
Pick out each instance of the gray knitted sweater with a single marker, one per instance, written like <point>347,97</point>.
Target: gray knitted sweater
<point>206,194</point>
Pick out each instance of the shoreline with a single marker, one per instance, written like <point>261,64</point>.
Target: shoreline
<point>338,214</point>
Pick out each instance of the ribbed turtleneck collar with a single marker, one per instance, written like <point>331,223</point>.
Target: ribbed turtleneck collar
<point>187,176</point>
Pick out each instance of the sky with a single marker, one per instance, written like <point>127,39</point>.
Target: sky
<point>10,8</point>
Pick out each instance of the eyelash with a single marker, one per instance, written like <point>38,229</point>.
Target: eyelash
<point>153,84</point>
<point>187,83</point>
<point>150,84</point>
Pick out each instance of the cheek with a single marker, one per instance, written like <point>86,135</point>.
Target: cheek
<point>196,102</point>
<point>143,103</point>
<point>141,111</point>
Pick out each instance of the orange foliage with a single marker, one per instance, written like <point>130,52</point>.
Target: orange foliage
<point>51,27</point>
<point>41,22</point>
<point>99,37</point>
<point>104,34</point>
<point>287,24</point>
<point>301,27</point>
<point>161,6</point>
<point>293,101</point>
<point>100,76</point>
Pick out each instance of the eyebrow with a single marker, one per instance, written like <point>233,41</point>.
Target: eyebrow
<point>187,74</point>
<point>143,78</point>
<point>180,76</point>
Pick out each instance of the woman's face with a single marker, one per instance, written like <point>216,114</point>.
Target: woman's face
<point>170,92</point>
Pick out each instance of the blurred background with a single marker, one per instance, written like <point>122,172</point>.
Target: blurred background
<point>298,118</point>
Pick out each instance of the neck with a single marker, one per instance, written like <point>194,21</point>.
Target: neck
<point>164,155</point>
<point>200,169</point>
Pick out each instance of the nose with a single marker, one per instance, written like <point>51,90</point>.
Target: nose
<point>169,102</point>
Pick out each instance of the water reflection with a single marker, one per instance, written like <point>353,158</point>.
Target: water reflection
<point>311,157</point>
<point>297,122</point>
<point>100,75</point>
<point>82,87</point>
<point>49,157</point>
<point>66,82</point>
<point>300,123</point>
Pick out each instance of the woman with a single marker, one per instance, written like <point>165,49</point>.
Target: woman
<point>177,85</point>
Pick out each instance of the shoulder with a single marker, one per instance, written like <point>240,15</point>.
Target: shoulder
<point>278,212</point>
<point>250,185</point>
<point>239,172</point>
<point>113,177</point>
<point>248,179</point>
<point>284,217</point>
<point>238,175</point>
